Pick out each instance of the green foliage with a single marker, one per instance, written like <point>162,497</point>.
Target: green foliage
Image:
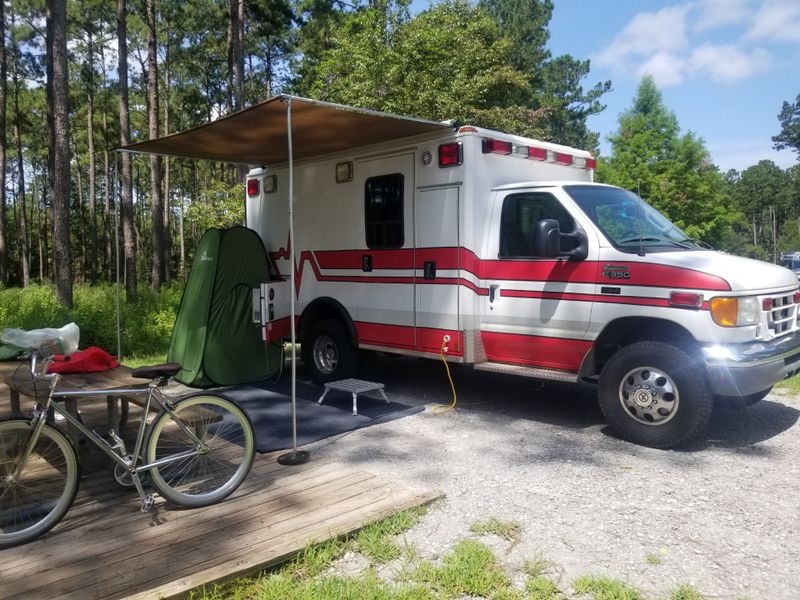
<point>603,588</point>
<point>146,325</point>
<point>220,206</point>
<point>670,171</point>
<point>789,136</point>
<point>470,570</point>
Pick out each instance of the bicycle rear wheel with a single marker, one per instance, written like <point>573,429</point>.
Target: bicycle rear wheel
<point>36,500</point>
<point>205,473</point>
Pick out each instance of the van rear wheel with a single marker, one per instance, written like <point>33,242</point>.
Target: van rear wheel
<point>328,353</point>
<point>655,394</point>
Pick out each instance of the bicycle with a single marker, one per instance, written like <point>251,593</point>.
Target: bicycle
<point>197,450</point>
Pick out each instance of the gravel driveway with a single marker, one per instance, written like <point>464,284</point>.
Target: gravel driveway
<point>721,515</point>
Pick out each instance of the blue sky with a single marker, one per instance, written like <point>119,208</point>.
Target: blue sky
<point>724,66</point>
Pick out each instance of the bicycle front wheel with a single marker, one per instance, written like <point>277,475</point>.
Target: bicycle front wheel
<point>205,448</point>
<point>35,500</point>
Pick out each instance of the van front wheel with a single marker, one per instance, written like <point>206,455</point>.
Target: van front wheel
<point>655,394</point>
<point>328,353</point>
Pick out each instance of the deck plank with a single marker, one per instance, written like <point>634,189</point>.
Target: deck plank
<point>106,549</point>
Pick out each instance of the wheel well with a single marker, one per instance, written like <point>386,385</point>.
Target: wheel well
<point>626,331</point>
<point>326,308</point>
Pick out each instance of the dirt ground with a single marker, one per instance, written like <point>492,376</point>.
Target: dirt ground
<point>722,515</point>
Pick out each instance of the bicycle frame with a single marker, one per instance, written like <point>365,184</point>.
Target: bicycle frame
<point>116,453</point>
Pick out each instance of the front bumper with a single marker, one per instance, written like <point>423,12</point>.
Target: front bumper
<point>744,369</point>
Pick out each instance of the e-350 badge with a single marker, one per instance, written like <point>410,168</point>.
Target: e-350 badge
<point>616,271</point>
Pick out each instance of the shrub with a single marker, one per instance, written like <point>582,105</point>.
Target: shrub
<point>146,326</point>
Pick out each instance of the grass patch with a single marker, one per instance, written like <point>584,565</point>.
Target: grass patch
<point>603,588</point>
<point>376,540</point>
<point>542,588</point>
<point>537,566</point>
<point>315,558</point>
<point>652,559</point>
<point>508,530</point>
<point>470,570</point>
<point>685,592</point>
<point>791,386</point>
<point>145,359</point>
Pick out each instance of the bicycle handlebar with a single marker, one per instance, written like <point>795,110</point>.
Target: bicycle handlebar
<point>46,361</point>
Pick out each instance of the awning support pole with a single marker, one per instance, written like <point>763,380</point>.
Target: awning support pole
<point>295,457</point>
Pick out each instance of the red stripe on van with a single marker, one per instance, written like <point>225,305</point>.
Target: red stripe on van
<point>402,336</point>
<point>537,351</point>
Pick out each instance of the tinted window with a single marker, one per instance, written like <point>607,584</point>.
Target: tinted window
<point>383,211</point>
<point>521,213</point>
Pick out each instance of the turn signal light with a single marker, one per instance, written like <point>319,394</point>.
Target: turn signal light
<point>724,311</point>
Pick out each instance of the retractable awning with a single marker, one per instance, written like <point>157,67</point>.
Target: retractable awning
<point>257,135</point>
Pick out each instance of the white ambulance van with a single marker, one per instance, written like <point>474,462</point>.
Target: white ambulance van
<point>502,253</point>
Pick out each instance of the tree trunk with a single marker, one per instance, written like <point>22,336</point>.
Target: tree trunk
<point>3,256</point>
<point>126,199</point>
<point>90,150</point>
<point>156,180</point>
<point>22,214</point>
<point>167,171</point>
<point>108,203</point>
<point>58,114</point>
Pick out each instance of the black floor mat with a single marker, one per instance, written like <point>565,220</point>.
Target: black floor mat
<point>270,409</point>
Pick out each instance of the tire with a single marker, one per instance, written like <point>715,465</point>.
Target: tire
<point>741,401</point>
<point>38,500</point>
<point>328,353</point>
<point>207,477</point>
<point>655,394</point>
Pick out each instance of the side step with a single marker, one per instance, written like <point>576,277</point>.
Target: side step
<point>523,371</point>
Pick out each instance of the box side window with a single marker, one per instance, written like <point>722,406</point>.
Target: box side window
<point>383,211</point>
<point>521,213</point>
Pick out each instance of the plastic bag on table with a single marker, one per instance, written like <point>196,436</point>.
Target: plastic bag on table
<point>48,341</point>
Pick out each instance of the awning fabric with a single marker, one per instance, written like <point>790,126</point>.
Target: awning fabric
<point>257,135</point>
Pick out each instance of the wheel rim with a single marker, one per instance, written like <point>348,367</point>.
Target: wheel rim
<point>33,503</point>
<point>649,396</point>
<point>218,467</point>
<point>326,354</point>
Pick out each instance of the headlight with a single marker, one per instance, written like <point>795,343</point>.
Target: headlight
<point>735,312</point>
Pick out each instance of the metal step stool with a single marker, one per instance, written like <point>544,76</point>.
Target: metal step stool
<point>355,387</point>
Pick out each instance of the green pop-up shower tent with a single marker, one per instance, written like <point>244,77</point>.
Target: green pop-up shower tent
<point>214,337</point>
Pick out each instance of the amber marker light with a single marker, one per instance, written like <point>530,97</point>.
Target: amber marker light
<point>724,311</point>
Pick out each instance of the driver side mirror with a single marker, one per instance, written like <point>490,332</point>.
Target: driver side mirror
<point>547,241</point>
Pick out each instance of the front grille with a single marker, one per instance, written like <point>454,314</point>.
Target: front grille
<point>782,316</point>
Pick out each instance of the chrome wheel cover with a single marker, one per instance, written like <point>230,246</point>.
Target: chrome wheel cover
<point>325,354</point>
<point>649,396</point>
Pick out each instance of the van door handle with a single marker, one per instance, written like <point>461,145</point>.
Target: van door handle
<point>429,269</point>
<point>493,291</point>
<point>366,263</point>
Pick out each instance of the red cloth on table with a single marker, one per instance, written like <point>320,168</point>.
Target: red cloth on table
<point>90,360</point>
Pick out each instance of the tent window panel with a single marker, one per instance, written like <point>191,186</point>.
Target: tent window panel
<point>383,211</point>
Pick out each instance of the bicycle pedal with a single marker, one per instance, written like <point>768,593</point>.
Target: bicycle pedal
<point>147,503</point>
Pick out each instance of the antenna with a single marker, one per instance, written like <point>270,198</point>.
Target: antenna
<point>639,218</point>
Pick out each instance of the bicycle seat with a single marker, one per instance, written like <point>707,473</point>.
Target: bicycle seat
<point>164,371</point>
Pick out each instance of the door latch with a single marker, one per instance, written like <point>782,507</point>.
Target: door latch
<point>429,269</point>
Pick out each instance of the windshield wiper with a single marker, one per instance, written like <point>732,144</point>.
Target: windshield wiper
<point>698,242</point>
<point>655,239</point>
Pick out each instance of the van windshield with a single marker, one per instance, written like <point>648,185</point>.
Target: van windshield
<point>627,221</point>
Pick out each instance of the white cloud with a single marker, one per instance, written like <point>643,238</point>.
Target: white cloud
<point>777,20</point>
<point>726,63</point>
<point>648,33</point>
<point>711,14</point>
<point>740,154</point>
<point>666,69</point>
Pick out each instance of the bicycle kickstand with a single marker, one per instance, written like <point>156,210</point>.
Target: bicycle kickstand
<point>148,500</point>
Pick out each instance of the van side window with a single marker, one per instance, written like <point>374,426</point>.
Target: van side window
<point>521,213</point>
<point>383,211</point>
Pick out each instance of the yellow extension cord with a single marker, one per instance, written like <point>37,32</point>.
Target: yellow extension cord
<point>443,408</point>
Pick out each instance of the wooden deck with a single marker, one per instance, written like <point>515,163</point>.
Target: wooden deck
<point>106,548</point>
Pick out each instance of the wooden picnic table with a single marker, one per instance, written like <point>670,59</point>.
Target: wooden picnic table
<point>17,376</point>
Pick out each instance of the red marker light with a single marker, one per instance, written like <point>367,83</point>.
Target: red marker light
<point>563,158</point>
<point>450,154</point>
<point>685,300</point>
<point>591,163</point>
<point>496,147</point>
<point>537,153</point>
